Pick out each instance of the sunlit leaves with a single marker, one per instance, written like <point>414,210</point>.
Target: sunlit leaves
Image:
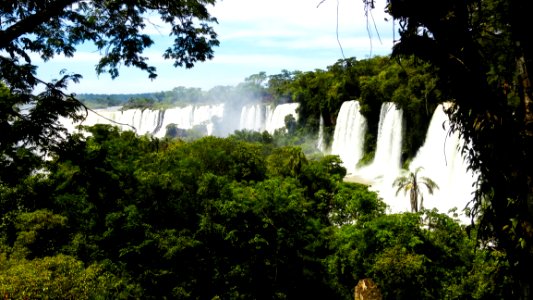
<point>160,218</point>
<point>60,276</point>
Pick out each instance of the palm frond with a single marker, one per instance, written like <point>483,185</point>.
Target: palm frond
<point>430,184</point>
<point>401,183</point>
<point>412,182</point>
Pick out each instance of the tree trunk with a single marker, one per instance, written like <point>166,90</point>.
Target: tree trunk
<point>414,199</point>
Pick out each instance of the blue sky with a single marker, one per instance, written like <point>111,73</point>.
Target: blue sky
<point>255,36</point>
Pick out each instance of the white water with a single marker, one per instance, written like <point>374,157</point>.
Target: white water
<point>349,135</point>
<point>154,122</point>
<point>321,144</point>
<point>441,161</point>
<point>276,120</point>
<point>253,117</point>
<point>261,117</point>
<point>387,158</point>
<point>189,116</point>
<point>256,117</point>
<point>439,157</point>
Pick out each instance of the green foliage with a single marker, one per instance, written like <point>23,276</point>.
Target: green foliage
<point>134,217</point>
<point>353,202</point>
<point>482,54</point>
<point>111,215</point>
<point>27,127</point>
<point>411,256</point>
<point>286,162</point>
<point>252,136</point>
<point>142,103</point>
<point>38,233</point>
<point>409,83</point>
<point>60,277</point>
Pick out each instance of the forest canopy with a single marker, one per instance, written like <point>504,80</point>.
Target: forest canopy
<point>120,216</point>
<point>114,215</point>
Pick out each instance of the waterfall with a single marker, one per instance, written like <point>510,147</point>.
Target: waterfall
<point>439,156</point>
<point>321,144</point>
<point>111,115</point>
<point>144,120</point>
<point>440,160</point>
<point>159,124</point>
<point>257,117</point>
<point>206,114</point>
<point>253,117</point>
<point>181,116</point>
<point>387,157</point>
<point>349,135</point>
<point>189,116</point>
<point>276,120</point>
<point>154,122</point>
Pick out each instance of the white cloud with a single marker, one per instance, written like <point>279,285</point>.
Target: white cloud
<point>262,60</point>
<point>255,35</point>
<point>330,42</point>
<point>300,14</point>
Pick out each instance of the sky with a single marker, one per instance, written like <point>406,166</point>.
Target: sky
<point>255,36</point>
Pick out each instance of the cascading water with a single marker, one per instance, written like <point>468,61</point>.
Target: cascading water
<point>440,160</point>
<point>277,118</point>
<point>110,115</point>
<point>387,158</point>
<point>257,117</point>
<point>154,122</point>
<point>253,117</point>
<point>144,120</point>
<point>349,135</point>
<point>181,116</point>
<point>204,114</point>
<point>321,144</point>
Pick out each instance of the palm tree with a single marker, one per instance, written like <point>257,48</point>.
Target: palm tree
<point>411,182</point>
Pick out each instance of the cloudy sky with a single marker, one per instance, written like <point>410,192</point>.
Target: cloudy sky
<point>255,36</point>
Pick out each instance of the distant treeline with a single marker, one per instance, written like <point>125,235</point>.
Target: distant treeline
<point>175,97</point>
<point>178,96</point>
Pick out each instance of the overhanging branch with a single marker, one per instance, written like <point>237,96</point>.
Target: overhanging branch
<point>27,25</point>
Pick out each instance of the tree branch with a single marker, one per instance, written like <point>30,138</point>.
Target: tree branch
<point>28,24</point>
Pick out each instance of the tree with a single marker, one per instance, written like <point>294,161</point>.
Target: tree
<point>55,27</point>
<point>211,217</point>
<point>424,255</point>
<point>482,51</point>
<point>411,182</point>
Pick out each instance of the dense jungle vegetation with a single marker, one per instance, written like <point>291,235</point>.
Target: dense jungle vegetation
<point>119,216</point>
<point>111,215</point>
